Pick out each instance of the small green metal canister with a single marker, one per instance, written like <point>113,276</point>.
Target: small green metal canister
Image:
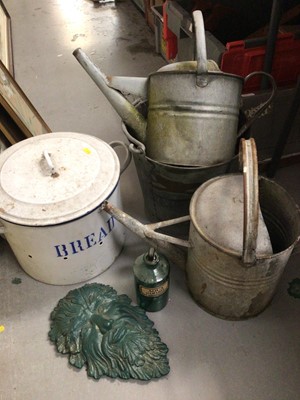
<point>151,273</point>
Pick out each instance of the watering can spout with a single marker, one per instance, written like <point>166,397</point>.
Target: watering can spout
<point>124,108</point>
<point>167,245</point>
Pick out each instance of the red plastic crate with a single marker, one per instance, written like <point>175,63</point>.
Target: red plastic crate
<point>241,58</point>
<point>168,36</point>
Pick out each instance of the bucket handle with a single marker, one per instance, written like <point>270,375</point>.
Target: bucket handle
<point>201,56</point>
<point>262,106</point>
<point>248,159</point>
<point>128,154</point>
<point>135,145</point>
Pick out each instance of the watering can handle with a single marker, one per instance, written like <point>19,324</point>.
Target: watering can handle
<point>251,202</point>
<point>201,56</point>
<point>262,106</point>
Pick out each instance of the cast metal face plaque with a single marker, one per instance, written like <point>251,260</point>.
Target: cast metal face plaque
<point>100,329</point>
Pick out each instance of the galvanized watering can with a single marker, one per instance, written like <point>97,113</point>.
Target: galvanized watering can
<point>243,229</point>
<point>193,107</point>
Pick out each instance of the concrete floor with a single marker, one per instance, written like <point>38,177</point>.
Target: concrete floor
<point>210,359</point>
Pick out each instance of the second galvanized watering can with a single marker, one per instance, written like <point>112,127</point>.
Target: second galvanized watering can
<point>243,230</point>
<point>193,107</point>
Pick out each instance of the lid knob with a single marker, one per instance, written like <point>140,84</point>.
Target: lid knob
<point>47,157</point>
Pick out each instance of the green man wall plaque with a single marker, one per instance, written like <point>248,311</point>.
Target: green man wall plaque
<point>98,328</point>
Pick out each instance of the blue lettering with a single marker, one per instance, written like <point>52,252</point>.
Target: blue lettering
<point>63,249</point>
<point>79,245</point>
<point>90,240</point>
<point>75,247</point>
<point>102,234</point>
<point>111,223</point>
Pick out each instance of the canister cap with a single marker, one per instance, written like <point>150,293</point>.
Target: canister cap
<point>55,178</point>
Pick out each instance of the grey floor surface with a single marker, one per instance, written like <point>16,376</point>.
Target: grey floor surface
<point>210,359</point>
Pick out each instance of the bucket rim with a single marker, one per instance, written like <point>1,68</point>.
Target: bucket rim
<point>139,148</point>
<point>206,74</point>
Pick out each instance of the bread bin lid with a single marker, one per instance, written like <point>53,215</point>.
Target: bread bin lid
<point>56,177</point>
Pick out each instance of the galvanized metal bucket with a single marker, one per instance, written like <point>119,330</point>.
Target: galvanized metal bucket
<point>167,189</point>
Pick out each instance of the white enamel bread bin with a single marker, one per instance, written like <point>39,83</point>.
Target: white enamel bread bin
<point>51,189</point>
